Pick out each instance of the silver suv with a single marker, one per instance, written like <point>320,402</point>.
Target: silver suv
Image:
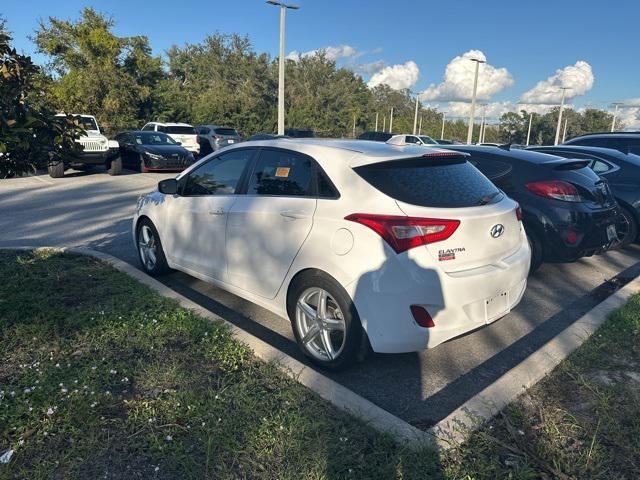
<point>213,137</point>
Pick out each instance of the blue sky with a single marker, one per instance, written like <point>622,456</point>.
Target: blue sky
<point>531,40</point>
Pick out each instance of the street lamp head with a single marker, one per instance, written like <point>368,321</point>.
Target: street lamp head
<point>478,60</point>
<point>283,5</point>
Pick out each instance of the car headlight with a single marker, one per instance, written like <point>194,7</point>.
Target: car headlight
<point>153,156</point>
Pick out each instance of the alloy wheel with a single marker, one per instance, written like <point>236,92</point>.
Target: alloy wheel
<point>147,246</point>
<point>320,324</point>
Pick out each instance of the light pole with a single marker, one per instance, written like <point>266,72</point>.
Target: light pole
<point>415,116</point>
<point>384,123</point>
<point>473,99</point>
<point>529,130</point>
<point>482,126</point>
<point>283,9</point>
<point>615,115</point>
<point>564,132</point>
<point>564,91</point>
<point>420,127</point>
<point>444,116</point>
<point>391,121</point>
<point>376,122</point>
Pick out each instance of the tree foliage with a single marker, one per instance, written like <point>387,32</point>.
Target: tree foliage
<point>28,136</point>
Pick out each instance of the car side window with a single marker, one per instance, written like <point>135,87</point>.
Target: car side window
<point>599,166</point>
<point>219,176</point>
<point>147,128</point>
<point>410,139</point>
<point>283,173</point>
<point>160,128</point>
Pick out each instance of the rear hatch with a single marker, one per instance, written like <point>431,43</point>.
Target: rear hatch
<point>184,134</point>
<point>446,186</point>
<point>226,136</point>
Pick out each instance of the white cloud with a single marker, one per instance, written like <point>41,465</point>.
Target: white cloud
<point>459,76</point>
<point>578,77</point>
<point>367,68</point>
<point>398,77</point>
<point>332,53</point>
<point>629,118</point>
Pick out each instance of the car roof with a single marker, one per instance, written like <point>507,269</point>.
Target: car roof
<point>530,156</point>
<point>172,124</point>
<point>606,134</point>
<point>582,148</point>
<point>360,152</point>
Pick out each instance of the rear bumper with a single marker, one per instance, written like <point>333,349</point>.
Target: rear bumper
<point>590,229</point>
<point>457,302</point>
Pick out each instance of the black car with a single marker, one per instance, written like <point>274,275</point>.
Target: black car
<point>444,141</point>
<point>152,151</point>
<point>376,136</point>
<point>299,133</point>
<point>626,142</point>
<point>266,136</point>
<point>568,211</point>
<point>622,171</point>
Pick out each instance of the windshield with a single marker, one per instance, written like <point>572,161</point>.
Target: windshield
<point>180,130</point>
<point>153,138</point>
<point>88,123</point>
<point>428,140</point>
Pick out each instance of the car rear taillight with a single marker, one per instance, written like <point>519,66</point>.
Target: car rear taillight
<point>556,189</point>
<point>404,233</point>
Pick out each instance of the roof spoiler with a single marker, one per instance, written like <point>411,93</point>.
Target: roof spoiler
<point>505,146</point>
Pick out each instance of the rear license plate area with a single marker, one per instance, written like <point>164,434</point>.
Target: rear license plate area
<point>496,307</point>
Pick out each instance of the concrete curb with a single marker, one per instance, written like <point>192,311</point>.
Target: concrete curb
<point>458,424</point>
<point>486,404</point>
<point>329,390</point>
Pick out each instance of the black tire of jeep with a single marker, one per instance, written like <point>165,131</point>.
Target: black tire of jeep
<point>56,170</point>
<point>115,167</point>
<point>354,331</point>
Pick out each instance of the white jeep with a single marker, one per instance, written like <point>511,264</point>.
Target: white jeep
<point>96,150</point>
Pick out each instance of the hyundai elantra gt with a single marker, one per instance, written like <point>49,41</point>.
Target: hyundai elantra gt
<point>403,247</point>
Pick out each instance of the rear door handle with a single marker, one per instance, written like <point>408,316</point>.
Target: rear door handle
<point>217,211</point>
<point>293,215</point>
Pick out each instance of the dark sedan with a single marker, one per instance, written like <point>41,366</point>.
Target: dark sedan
<point>622,171</point>
<point>568,211</point>
<point>152,151</point>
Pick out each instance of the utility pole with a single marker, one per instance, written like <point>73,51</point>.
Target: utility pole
<point>415,116</point>
<point>283,9</point>
<point>615,115</point>
<point>376,129</point>
<point>529,130</point>
<point>473,99</point>
<point>564,91</point>
<point>444,115</point>
<point>391,121</point>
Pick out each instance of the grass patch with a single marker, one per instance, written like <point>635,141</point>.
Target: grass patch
<point>102,378</point>
<point>582,421</point>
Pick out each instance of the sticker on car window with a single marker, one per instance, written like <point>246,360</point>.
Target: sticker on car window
<point>282,172</point>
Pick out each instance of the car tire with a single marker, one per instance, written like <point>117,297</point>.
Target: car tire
<point>537,251</point>
<point>340,326</point>
<point>629,226</point>
<point>56,170</point>
<point>115,167</point>
<point>143,166</point>
<point>150,251</point>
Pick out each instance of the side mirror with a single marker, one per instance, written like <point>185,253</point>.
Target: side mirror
<point>178,143</point>
<point>168,186</point>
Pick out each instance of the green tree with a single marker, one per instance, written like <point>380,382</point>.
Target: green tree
<point>28,136</point>
<point>97,72</point>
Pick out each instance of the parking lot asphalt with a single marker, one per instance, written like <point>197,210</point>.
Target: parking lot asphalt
<point>94,210</point>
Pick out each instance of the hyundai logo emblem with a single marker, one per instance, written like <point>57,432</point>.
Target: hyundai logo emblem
<point>497,230</point>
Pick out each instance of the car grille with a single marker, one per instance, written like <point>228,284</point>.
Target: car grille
<point>92,145</point>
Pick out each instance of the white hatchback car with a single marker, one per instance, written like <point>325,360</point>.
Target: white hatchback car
<point>352,241</point>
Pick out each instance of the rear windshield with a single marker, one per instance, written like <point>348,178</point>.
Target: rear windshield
<point>179,130</point>
<point>444,183</point>
<point>227,131</point>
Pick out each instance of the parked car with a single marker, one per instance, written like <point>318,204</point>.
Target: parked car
<point>376,136</point>
<point>443,141</point>
<point>404,139</point>
<point>626,142</point>
<point>265,136</point>
<point>568,211</point>
<point>299,133</point>
<point>622,172</point>
<point>353,242</point>
<point>96,149</point>
<point>152,151</point>
<point>213,137</point>
<point>183,133</point>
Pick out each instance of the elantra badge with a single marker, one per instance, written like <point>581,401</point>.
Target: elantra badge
<point>497,230</point>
